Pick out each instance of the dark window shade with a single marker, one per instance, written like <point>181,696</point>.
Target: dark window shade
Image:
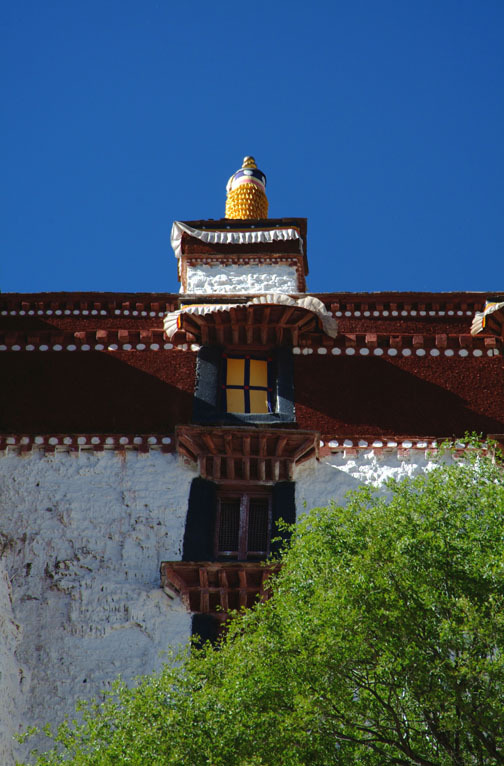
<point>258,525</point>
<point>200,522</point>
<point>229,526</point>
<point>206,394</point>
<point>284,507</point>
<point>206,627</point>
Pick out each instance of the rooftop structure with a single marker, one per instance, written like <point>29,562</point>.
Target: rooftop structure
<point>150,443</point>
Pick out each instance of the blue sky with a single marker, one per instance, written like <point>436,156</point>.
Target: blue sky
<point>381,121</point>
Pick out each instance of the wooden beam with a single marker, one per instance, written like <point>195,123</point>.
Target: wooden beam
<point>186,452</point>
<point>288,312</point>
<point>306,445</point>
<point>282,441</point>
<point>265,324</point>
<point>207,438</point>
<point>235,326</point>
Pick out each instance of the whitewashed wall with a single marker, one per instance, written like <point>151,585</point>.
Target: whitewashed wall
<point>83,537</point>
<point>256,278</point>
<point>319,482</point>
<point>80,601</point>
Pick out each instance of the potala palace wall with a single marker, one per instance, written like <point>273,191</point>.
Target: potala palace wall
<point>83,535</point>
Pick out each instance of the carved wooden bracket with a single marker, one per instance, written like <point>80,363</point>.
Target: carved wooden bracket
<point>246,454</point>
<point>216,587</point>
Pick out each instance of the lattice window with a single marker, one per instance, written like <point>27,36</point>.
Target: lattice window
<point>243,526</point>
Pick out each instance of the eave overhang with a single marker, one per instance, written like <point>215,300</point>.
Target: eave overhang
<point>490,320</point>
<point>274,319</point>
<point>246,454</point>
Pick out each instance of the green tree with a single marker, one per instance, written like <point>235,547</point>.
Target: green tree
<point>382,644</point>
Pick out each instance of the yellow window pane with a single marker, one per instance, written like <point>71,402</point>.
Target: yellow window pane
<point>258,401</point>
<point>235,374</point>
<point>258,373</point>
<point>235,399</point>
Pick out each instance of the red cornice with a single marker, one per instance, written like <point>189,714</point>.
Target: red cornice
<point>349,304</point>
<point>404,445</point>
<point>439,345</point>
<point>216,587</point>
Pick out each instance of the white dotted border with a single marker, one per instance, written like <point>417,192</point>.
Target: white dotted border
<point>382,443</point>
<point>306,351</point>
<point>100,347</point>
<point>406,352</point>
<point>405,313</point>
<point>349,445</point>
<point>84,312</point>
<point>62,442</point>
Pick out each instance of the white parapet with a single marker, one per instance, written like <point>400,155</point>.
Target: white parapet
<point>241,278</point>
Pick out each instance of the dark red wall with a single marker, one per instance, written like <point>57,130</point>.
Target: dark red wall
<point>431,397</point>
<point>83,392</point>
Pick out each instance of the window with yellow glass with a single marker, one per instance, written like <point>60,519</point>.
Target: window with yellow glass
<point>248,384</point>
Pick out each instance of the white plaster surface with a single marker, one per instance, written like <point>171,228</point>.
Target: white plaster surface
<point>83,536</point>
<point>331,478</point>
<point>234,279</point>
<point>80,599</point>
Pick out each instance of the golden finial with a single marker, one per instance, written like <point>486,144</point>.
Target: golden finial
<point>246,195</point>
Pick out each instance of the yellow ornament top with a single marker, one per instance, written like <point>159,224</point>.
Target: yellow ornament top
<point>246,192</point>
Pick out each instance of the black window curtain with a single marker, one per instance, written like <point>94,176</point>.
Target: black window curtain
<point>200,521</point>
<point>206,627</point>
<point>283,507</point>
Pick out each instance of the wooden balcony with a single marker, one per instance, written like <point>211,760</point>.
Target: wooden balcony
<point>216,587</point>
<point>246,454</point>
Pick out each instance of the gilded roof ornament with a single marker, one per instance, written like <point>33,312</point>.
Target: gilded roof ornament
<point>246,192</point>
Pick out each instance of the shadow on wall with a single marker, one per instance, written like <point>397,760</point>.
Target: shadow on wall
<point>101,392</point>
<point>420,397</point>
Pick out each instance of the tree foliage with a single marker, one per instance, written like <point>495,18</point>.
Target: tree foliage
<point>382,644</point>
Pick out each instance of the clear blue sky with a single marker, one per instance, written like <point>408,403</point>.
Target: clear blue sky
<point>381,121</point>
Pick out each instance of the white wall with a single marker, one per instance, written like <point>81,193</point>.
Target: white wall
<point>254,278</point>
<point>85,535</point>
<point>319,482</point>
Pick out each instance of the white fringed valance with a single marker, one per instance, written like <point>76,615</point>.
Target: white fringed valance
<point>230,236</point>
<point>329,323</point>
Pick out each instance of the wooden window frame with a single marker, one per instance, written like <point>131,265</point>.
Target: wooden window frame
<point>247,357</point>
<point>208,400</point>
<point>244,495</point>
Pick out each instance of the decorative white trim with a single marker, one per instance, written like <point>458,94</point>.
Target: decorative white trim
<point>83,442</point>
<point>310,303</point>
<point>365,351</point>
<point>230,236</point>
<point>479,317</point>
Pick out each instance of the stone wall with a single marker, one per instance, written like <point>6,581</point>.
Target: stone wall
<point>80,598</point>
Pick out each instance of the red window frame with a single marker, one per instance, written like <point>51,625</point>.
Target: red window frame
<point>244,507</point>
